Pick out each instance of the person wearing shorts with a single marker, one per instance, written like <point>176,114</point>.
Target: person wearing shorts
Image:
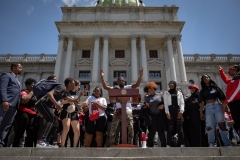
<point>96,102</point>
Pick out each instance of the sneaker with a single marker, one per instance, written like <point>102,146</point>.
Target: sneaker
<point>182,145</point>
<point>168,146</point>
<point>44,144</point>
<point>41,143</point>
<point>55,146</point>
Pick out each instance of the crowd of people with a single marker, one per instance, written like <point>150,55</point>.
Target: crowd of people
<point>50,114</point>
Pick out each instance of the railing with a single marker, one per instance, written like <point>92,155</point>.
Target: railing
<point>52,57</point>
<point>27,57</point>
<point>211,57</point>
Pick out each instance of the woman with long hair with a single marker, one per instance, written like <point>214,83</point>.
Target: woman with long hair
<point>96,102</point>
<point>209,96</point>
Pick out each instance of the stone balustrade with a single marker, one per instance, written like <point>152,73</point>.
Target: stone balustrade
<point>27,57</point>
<point>211,57</point>
<point>52,57</point>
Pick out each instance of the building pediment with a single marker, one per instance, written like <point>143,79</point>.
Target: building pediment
<point>120,62</point>
<point>84,62</point>
<point>155,62</point>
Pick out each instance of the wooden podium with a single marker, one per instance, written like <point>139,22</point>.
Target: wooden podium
<point>122,96</point>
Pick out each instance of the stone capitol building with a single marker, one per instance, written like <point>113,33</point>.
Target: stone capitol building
<point>121,36</point>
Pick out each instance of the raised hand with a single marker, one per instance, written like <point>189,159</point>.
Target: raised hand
<point>102,72</point>
<point>220,67</point>
<point>141,72</point>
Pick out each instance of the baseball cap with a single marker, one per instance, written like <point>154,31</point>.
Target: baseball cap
<point>193,86</point>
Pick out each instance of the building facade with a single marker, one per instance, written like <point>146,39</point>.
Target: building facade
<point>120,39</point>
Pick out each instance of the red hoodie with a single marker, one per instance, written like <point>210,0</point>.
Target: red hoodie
<point>233,90</point>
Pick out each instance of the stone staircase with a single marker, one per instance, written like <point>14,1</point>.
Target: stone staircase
<point>187,153</point>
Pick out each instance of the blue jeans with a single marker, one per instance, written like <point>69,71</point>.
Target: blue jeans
<point>214,115</point>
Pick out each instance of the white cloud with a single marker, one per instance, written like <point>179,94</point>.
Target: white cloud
<point>29,12</point>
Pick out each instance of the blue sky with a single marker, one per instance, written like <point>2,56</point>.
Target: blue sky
<point>212,26</point>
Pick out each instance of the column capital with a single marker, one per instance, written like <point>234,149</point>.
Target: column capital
<point>70,37</point>
<point>169,37</point>
<point>105,37</point>
<point>61,37</point>
<point>178,37</point>
<point>97,37</point>
<point>142,37</point>
<point>134,37</point>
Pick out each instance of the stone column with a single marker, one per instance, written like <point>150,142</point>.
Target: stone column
<point>59,57</point>
<point>134,69</point>
<point>67,68</point>
<point>144,59</point>
<point>105,58</point>
<point>181,59</point>
<point>171,58</point>
<point>95,69</point>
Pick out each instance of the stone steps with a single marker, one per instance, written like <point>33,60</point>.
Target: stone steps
<point>187,153</point>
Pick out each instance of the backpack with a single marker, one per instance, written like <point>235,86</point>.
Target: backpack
<point>41,88</point>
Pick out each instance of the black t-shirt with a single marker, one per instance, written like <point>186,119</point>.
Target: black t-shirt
<point>210,92</point>
<point>154,101</point>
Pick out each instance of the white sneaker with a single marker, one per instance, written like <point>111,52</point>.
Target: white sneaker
<point>182,145</point>
<point>168,146</point>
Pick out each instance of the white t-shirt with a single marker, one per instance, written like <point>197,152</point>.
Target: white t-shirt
<point>129,104</point>
<point>101,100</point>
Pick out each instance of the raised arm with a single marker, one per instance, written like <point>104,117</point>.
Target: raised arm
<point>223,75</point>
<point>139,79</point>
<point>105,86</point>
